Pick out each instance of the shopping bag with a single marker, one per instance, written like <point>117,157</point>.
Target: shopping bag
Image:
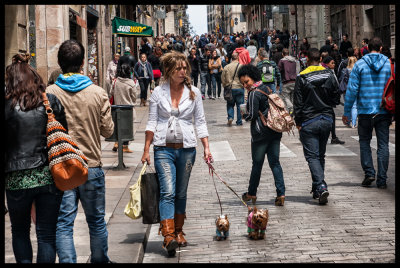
<point>134,208</point>
<point>150,195</point>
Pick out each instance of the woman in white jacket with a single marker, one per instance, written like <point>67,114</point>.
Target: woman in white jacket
<point>170,127</point>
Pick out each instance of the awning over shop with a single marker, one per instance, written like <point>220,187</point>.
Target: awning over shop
<point>124,27</point>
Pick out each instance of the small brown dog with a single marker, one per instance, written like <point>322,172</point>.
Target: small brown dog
<point>222,224</point>
<point>257,221</point>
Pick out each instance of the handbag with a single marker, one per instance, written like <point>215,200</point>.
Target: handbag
<point>134,207</point>
<point>150,196</point>
<point>67,164</point>
<point>228,89</point>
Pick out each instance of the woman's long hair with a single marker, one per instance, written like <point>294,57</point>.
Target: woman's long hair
<point>169,62</point>
<point>24,86</point>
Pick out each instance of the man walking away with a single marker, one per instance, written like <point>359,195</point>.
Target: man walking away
<point>366,84</point>
<point>229,77</point>
<point>244,56</point>
<point>126,58</point>
<point>289,68</point>
<point>270,74</point>
<point>315,92</point>
<point>88,114</point>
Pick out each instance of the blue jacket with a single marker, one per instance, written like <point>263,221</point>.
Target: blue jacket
<point>139,72</point>
<point>366,83</point>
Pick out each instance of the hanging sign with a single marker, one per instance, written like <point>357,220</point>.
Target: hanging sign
<point>123,27</point>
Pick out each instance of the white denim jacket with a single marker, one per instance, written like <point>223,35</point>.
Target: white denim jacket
<point>160,112</point>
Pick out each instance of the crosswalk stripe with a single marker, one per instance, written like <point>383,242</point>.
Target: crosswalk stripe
<point>337,150</point>
<point>374,144</point>
<point>286,152</point>
<point>221,151</point>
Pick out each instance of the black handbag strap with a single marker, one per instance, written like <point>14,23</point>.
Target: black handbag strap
<point>233,78</point>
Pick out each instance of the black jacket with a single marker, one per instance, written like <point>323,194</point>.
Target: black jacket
<point>194,63</point>
<point>26,141</point>
<point>204,63</point>
<point>315,93</point>
<point>257,101</point>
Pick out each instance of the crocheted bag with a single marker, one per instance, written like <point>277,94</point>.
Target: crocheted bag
<point>67,164</point>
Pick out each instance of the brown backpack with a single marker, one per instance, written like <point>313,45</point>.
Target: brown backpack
<point>278,118</point>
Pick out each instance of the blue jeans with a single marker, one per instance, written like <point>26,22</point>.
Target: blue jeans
<point>366,125</point>
<point>271,147</point>
<point>205,79</point>
<point>314,138</point>
<point>47,202</point>
<point>173,167</point>
<point>92,197</point>
<point>215,82</point>
<point>354,114</point>
<point>238,98</point>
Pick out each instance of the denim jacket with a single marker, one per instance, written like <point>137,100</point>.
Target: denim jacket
<point>160,112</point>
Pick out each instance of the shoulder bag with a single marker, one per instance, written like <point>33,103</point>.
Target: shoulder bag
<point>67,164</point>
<point>228,89</point>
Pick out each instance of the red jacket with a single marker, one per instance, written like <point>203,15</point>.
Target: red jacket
<point>244,56</point>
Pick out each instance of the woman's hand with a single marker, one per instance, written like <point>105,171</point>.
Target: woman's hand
<point>208,155</point>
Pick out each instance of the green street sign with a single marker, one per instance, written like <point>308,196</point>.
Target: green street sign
<point>124,27</point>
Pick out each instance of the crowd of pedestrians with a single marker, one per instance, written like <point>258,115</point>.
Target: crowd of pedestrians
<point>310,81</point>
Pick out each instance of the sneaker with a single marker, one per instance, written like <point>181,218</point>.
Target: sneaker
<point>367,181</point>
<point>203,97</point>
<point>323,197</point>
<point>336,141</point>
<point>230,120</point>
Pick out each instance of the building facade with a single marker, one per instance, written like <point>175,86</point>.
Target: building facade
<point>40,30</point>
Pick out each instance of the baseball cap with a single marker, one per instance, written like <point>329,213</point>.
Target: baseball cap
<point>127,49</point>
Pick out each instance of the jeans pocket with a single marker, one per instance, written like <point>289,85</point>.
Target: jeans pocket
<point>15,195</point>
<point>95,179</point>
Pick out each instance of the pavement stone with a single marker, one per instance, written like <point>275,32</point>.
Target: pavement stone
<point>356,226</point>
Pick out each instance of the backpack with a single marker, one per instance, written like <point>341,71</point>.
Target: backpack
<point>344,81</point>
<point>388,101</point>
<point>267,71</point>
<point>278,118</point>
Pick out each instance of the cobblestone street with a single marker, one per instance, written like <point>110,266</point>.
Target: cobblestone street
<point>357,224</point>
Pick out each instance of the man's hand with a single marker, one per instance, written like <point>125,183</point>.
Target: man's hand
<point>345,120</point>
<point>298,128</point>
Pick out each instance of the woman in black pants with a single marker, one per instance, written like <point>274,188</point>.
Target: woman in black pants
<point>144,73</point>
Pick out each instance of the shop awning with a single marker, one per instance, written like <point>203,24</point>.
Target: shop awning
<point>124,27</point>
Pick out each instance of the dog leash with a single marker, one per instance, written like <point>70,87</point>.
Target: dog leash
<point>211,171</point>
<point>219,200</point>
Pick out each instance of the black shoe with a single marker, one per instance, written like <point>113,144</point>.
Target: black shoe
<point>336,141</point>
<point>367,181</point>
<point>323,197</point>
<point>383,186</point>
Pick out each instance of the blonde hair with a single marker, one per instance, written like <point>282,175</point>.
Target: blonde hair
<point>351,62</point>
<point>169,62</point>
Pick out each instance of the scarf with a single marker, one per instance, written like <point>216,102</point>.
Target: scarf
<point>144,66</point>
<point>256,85</point>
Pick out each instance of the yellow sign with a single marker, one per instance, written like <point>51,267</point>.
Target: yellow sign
<point>232,22</point>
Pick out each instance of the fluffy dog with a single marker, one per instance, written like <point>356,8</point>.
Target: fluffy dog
<point>257,221</point>
<point>222,224</point>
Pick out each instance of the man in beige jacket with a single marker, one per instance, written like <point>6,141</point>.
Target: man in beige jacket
<point>229,76</point>
<point>88,114</point>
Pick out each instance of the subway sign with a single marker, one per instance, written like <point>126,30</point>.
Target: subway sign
<point>124,27</point>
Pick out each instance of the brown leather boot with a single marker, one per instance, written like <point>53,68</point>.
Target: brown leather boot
<point>179,221</point>
<point>126,149</point>
<point>167,228</point>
